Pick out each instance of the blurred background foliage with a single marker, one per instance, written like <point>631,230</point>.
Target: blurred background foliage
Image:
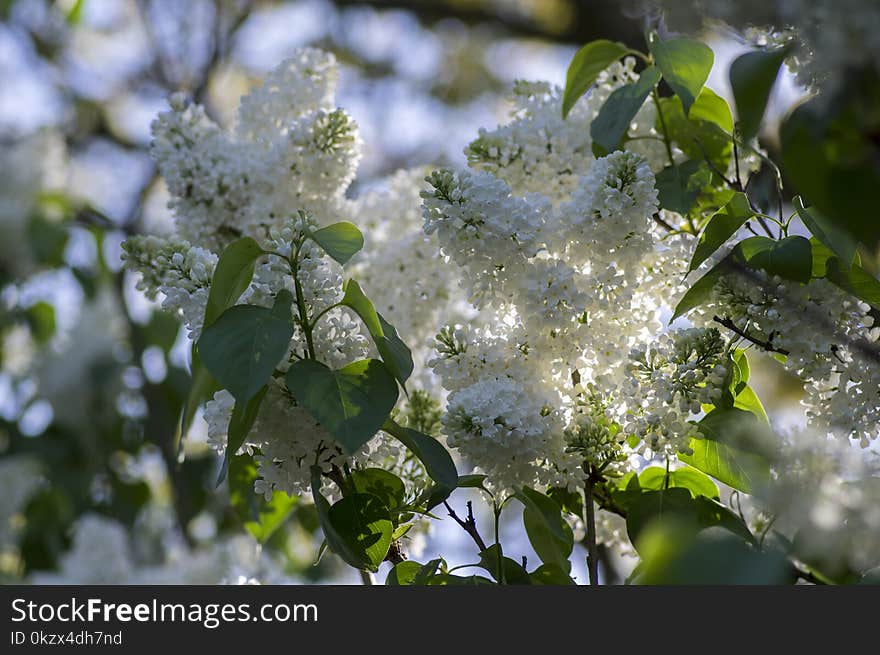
<point>93,379</point>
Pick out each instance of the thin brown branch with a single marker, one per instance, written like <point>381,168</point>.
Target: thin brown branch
<point>469,524</point>
<point>761,343</point>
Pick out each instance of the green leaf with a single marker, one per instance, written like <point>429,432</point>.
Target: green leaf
<point>341,240</point>
<point>732,450</point>
<point>856,281</point>
<point>359,530</point>
<point>244,345</point>
<point>260,517</point>
<point>434,457</point>
<point>612,123</point>
<point>679,186</point>
<point>74,14</point>
<point>240,423</point>
<point>697,483</point>
<point>723,225</point>
<point>570,501</point>
<point>383,484</point>
<point>752,77</point>
<point>585,67</point>
<point>547,530</point>
<point>449,580</point>
<point>700,291</point>
<point>839,241</point>
<point>394,351</point>
<point>364,523</point>
<point>403,574</point>
<point>680,506</point>
<point>673,554</point>
<point>232,276</point>
<point>790,258</point>
<point>685,64</point>
<point>550,574</point>
<point>41,319</point>
<point>472,481</point>
<point>351,403</point>
<point>748,401</point>
<point>202,387</point>
<point>513,573</point>
<point>705,132</point>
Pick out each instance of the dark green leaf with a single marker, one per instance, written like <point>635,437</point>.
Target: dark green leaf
<point>341,240</point>
<point>752,77</point>
<point>232,276</point>
<point>358,528</point>
<point>550,574</point>
<point>473,481</point>
<point>705,133</point>
<point>855,280</point>
<point>839,241</point>
<point>673,554</point>
<point>680,506</point>
<point>244,345</point>
<point>383,484</point>
<point>433,456</point>
<point>363,521</point>
<point>679,186</point>
<point>351,403</point>
<point>585,67</point>
<point>700,291</point>
<point>685,64</point>
<point>240,423</point>
<point>394,351</point>
<point>547,530</point>
<point>723,225</point>
<point>612,123</point>
<point>202,387</point>
<point>790,258</point>
<point>829,154</point>
<point>570,501</point>
<point>497,565</point>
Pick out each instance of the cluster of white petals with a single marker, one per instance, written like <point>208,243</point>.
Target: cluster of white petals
<point>562,259</point>
<point>829,339</point>
<point>284,168</point>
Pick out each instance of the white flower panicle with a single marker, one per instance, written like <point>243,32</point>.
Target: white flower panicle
<point>291,149</point>
<point>178,271</point>
<point>281,173</point>
<point>842,385</point>
<point>559,253</point>
<point>670,381</point>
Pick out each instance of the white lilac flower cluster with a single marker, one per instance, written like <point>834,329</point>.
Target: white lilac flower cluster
<point>177,270</point>
<point>287,163</point>
<point>562,260</point>
<point>820,31</point>
<point>827,500</point>
<point>671,380</point>
<point>819,327</point>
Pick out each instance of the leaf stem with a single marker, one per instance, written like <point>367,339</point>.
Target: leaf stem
<point>300,300</point>
<point>590,521</point>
